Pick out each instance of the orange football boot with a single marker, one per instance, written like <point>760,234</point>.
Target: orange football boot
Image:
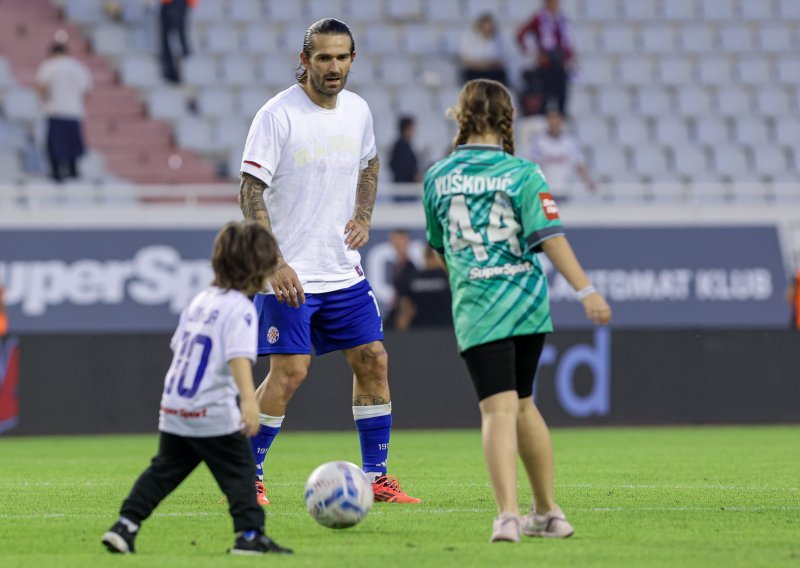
<point>387,489</point>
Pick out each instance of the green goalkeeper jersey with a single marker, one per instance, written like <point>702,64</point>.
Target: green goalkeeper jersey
<point>488,213</point>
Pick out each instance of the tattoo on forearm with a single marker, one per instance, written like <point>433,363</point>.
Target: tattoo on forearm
<point>369,400</point>
<point>366,191</point>
<point>251,201</point>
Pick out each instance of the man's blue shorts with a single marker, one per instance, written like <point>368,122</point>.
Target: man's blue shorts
<point>330,321</point>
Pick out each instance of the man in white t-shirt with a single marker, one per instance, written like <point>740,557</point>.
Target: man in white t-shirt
<point>63,84</point>
<point>309,174</point>
<point>558,154</point>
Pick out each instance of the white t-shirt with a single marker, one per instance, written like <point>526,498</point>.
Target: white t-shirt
<point>67,80</point>
<point>199,398</point>
<point>310,158</point>
<point>477,47</point>
<point>558,158</point>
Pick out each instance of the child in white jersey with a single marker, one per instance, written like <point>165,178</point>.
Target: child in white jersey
<point>200,420</point>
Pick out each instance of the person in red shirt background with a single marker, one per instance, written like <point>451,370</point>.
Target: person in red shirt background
<point>555,54</point>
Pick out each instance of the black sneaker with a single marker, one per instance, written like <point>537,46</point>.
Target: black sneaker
<point>119,539</point>
<point>255,542</point>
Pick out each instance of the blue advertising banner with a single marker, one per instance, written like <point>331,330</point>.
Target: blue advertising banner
<point>139,280</point>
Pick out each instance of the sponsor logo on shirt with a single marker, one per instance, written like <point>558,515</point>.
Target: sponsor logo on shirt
<point>184,413</point>
<point>359,271</point>
<point>549,206</point>
<point>508,269</point>
<point>272,335</point>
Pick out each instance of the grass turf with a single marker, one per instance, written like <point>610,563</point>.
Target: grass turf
<point>637,497</point>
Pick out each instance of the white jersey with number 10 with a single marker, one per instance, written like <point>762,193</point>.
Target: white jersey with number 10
<point>199,398</point>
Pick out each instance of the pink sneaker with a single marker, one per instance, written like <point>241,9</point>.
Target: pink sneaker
<point>505,528</point>
<point>550,525</point>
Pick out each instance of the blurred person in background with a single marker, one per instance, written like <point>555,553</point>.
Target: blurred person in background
<point>309,174</point>
<point>423,299</point>
<point>3,313</point>
<point>489,213</point>
<point>793,297</point>
<point>555,55</point>
<point>403,269</point>
<point>403,160</point>
<point>63,83</point>
<point>482,53</point>
<point>559,155</point>
<point>173,17</point>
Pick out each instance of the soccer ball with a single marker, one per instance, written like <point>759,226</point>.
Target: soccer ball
<point>338,495</point>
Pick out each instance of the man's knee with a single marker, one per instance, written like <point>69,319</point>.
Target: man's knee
<point>285,379</point>
<point>371,363</point>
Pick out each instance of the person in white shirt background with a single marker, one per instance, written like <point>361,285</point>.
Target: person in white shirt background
<point>559,155</point>
<point>63,83</point>
<point>482,53</point>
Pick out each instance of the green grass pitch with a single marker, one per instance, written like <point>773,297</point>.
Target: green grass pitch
<point>637,497</point>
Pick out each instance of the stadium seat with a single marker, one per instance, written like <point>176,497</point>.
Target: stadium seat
<point>257,38</point>
<point>406,9</point>
<point>733,101</point>
<point>715,70</point>
<point>690,161</point>
<point>110,39</point>
<point>606,11</point>
<point>736,39</point>
<point>789,9</point>
<point>595,71</point>
<point>276,70</point>
<point>679,10</point>
<point>618,38</point>
<point>209,11</point>
<point>21,104</point>
<point>245,10</point>
<point>140,71</point>
<point>748,191</point>
<point>593,130</point>
<point>200,70</point>
<point>709,191</point>
<point>632,131</point>
<point>770,162</point>
<point>363,10</point>
<point>195,134</point>
<point>216,103</point>
<point>239,70</point>
<point>787,131</point>
<point>440,72</point>
<point>773,101</point>
<point>251,99</point>
<point>654,101</point>
<point>711,130</point>
<point>318,9</point>
<point>694,101</point>
<point>658,39</point>
<point>581,103</point>
<point>789,70</point>
<point>676,71</point>
<point>752,11</point>
<point>415,100</point>
<point>585,37</point>
<point>651,162</point>
<point>776,38</point>
<point>84,11</point>
<point>230,133</point>
<point>380,101</point>
<point>6,74</point>
<point>718,10</point>
<point>614,101</point>
<point>640,10</point>
<point>400,72</point>
<point>698,38</point>
<point>671,132</point>
<point>520,12</point>
<point>10,170</point>
<point>447,97</point>
<point>167,103</point>
<point>383,39</point>
<point>751,131</point>
<point>363,72</point>
<point>755,70</point>
<point>92,166</point>
<point>731,162</point>
<point>441,10</point>
<point>12,135</point>
<point>222,38</point>
<point>474,8</point>
<point>610,163</point>
<point>422,39</point>
<point>636,70</point>
<point>283,11</point>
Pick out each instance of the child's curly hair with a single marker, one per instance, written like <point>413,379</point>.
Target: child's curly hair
<point>244,255</point>
<point>484,106</point>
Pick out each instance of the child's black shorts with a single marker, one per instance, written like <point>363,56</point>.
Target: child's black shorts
<point>504,365</point>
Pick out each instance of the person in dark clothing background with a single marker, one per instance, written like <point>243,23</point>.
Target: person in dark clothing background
<point>555,55</point>
<point>423,299</point>
<point>403,161</point>
<point>173,20</point>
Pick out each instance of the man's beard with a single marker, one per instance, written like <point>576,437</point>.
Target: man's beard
<point>318,84</point>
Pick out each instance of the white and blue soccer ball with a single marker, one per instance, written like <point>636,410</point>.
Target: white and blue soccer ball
<point>338,494</point>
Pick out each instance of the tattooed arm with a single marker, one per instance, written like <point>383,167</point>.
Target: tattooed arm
<point>285,283</point>
<point>357,228</point>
